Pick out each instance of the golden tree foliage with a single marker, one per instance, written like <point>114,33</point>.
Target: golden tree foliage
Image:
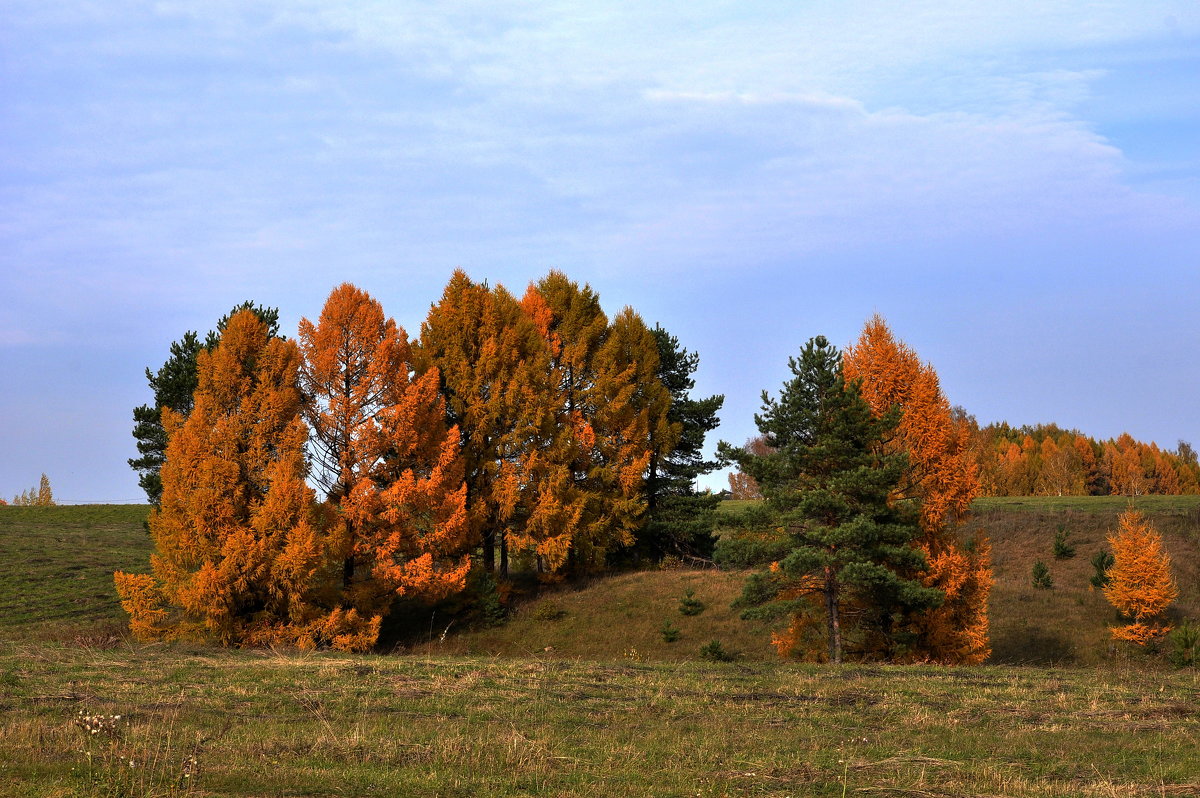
<point>1141,585</point>
<point>943,477</point>
<point>494,371</point>
<point>237,559</point>
<point>609,408</point>
<point>41,496</point>
<point>397,518</point>
<point>1048,461</point>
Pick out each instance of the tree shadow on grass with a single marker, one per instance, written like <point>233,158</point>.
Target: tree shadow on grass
<point>1031,647</point>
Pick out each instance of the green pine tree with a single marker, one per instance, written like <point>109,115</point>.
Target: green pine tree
<point>679,519</point>
<point>827,483</point>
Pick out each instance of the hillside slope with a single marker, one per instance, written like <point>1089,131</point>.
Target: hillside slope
<point>1069,623</point>
<point>56,583</point>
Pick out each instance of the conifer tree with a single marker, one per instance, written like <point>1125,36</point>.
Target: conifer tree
<point>173,385</point>
<point>828,484</point>
<point>238,559</point>
<point>609,406</point>
<point>45,497</point>
<point>680,520</point>
<point>385,458</point>
<point>493,370</point>
<point>941,480</point>
<point>1140,583</point>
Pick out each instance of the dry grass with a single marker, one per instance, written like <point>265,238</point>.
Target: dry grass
<point>262,723</point>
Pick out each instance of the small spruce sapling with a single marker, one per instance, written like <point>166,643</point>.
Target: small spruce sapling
<point>1041,576</point>
<point>670,632</point>
<point>689,604</point>
<point>1184,645</point>
<point>713,651</point>
<point>1101,561</point>
<point>1063,548</point>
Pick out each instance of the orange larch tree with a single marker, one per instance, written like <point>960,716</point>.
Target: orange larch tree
<point>610,407</point>
<point>1141,585</point>
<point>237,557</point>
<point>942,477</point>
<point>493,369</point>
<point>396,501</point>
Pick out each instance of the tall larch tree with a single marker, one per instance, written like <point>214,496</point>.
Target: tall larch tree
<point>390,468</point>
<point>829,485</point>
<point>941,479</point>
<point>237,558</point>
<point>608,404</point>
<point>45,496</point>
<point>1140,582</point>
<point>493,370</point>
<point>173,385</point>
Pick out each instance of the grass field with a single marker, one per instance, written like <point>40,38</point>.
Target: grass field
<point>58,563</point>
<point>580,695</point>
<point>266,724</point>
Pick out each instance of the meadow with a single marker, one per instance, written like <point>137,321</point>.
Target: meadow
<point>580,695</point>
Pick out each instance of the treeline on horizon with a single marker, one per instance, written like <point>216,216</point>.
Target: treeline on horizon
<point>1047,460</point>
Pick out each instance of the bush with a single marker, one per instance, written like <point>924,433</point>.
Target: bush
<point>1041,576</point>
<point>689,604</point>
<point>1063,550</point>
<point>735,553</point>
<point>1183,645</point>
<point>670,632</point>
<point>549,611</point>
<point>713,651</point>
<point>1102,561</point>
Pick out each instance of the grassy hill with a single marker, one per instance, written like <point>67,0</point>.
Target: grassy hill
<point>586,699</point>
<point>56,579</point>
<point>1069,623</point>
<point>66,555</point>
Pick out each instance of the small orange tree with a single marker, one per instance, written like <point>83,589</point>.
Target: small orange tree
<point>1141,585</point>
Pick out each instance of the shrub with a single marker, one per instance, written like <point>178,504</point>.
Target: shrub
<point>713,651</point>
<point>1101,561</point>
<point>670,632</point>
<point>549,611</point>
<point>1041,576</point>
<point>689,604</point>
<point>734,552</point>
<point>1063,550</point>
<point>1183,645</point>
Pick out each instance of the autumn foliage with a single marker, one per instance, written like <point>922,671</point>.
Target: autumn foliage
<point>238,558</point>
<point>396,517</point>
<point>942,479</point>
<point>1046,460</point>
<point>1141,585</point>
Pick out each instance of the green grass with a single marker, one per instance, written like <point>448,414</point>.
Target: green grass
<point>580,695</point>
<point>1088,504</point>
<point>266,724</point>
<point>619,616</point>
<point>58,567</point>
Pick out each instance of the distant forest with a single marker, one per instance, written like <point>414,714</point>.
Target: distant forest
<point>1047,460</point>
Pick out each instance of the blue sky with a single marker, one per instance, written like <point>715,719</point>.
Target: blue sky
<point>1015,188</point>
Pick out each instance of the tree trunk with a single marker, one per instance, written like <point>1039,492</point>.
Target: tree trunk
<point>489,550</point>
<point>831,611</point>
<point>503,554</point>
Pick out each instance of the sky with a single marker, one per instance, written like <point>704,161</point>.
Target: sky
<point>1014,186</point>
